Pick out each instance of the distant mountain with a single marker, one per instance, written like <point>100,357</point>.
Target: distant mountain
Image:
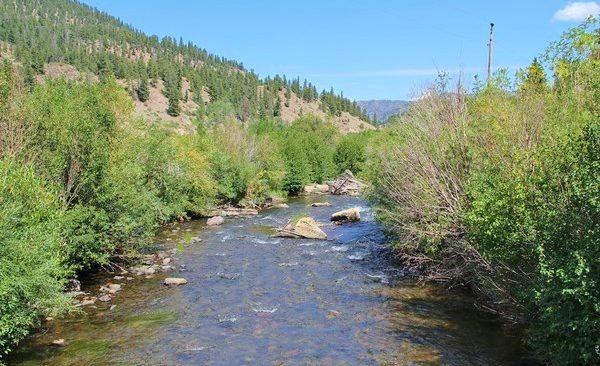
<point>383,109</point>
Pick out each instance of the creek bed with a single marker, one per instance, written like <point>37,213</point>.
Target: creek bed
<point>252,299</point>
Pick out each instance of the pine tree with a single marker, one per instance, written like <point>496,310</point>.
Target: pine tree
<point>174,108</point>
<point>536,78</point>
<point>142,91</point>
<point>277,108</point>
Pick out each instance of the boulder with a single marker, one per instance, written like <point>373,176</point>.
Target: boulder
<point>351,214</point>
<point>322,188</point>
<point>215,221</point>
<point>320,204</point>
<point>316,189</point>
<point>280,205</point>
<point>175,281</point>
<point>309,189</point>
<point>305,228</point>
<point>73,285</point>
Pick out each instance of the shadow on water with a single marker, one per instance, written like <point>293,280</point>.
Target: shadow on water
<point>252,299</point>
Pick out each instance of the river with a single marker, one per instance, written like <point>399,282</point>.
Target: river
<point>252,299</point>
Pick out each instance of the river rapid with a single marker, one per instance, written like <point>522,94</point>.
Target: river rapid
<point>252,299</point>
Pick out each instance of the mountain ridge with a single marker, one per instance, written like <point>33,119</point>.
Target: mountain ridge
<point>382,109</point>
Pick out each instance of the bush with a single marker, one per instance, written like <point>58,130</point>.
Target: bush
<point>351,152</point>
<point>32,271</point>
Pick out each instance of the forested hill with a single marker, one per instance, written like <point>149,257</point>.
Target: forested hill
<point>169,79</point>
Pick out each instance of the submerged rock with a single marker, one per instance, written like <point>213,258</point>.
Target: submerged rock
<point>114,288</point>
<point>86,302</point>
<point>175,281</point>
<point>305,228</point>
<point>215,221</point>
<point>280,205</point>
<point>320,204</point>
<point>58,342</point>
<point>351,214</point>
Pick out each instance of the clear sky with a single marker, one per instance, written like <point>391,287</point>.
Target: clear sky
<point>377,49</point>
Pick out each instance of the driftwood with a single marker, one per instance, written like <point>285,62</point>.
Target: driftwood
<point>346,184</point>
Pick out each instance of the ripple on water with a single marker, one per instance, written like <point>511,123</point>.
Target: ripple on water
<point>340,248</point>
<point>288,264</point>
<point>226,318</point>
<point>358,256</point>
<point>260,241</point>
<point>260,308</point>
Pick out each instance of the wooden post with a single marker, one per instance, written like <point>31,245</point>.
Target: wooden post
<point>490,53</point>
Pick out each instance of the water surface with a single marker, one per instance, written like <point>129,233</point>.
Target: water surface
<point>252,299</point>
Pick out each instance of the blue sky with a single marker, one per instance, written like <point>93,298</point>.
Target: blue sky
<point>378,49</point>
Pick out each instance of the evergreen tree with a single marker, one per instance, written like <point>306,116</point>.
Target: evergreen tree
<point>277,108</point>
<point>174,108</point>
<point>142,91</point>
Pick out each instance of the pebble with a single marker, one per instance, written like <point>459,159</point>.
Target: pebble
<point>114,286</point>
<point>118,278</point>
<point>105,298</point>
<point>113,307</point>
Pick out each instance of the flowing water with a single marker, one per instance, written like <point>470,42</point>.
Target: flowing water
<point>252,299</point>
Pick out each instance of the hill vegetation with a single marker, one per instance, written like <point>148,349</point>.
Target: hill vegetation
<point>37,33</point>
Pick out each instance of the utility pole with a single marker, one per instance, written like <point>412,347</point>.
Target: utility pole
<point>490,53</point>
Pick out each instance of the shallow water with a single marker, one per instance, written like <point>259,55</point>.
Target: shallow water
<point>256,300</point>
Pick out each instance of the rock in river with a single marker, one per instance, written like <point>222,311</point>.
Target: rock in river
<point>175,281</point>
<point>305,228</point>
<point>351,214</point>
<point>105,298</point>
<point>58,342</point>
<point>215,221</point>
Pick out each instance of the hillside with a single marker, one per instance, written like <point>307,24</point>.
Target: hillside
<point>168,78</point>
<point>381,110</point>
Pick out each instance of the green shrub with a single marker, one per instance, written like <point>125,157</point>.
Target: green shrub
<point>351,152</point>
<point>32,271</point>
